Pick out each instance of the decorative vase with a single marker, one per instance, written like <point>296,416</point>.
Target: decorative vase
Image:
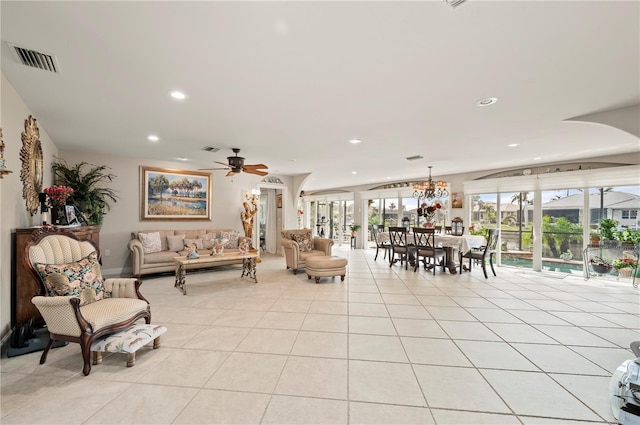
<point>625,272</point>
<point>58,215</point>
<point>218,249</point>
<point>428,224</point>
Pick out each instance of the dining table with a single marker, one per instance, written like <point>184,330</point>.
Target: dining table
<point>449,243</point>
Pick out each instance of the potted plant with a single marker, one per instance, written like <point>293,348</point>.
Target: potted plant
<point>625,266</point>
<point>600,265</point>
<point>354,228</point>
<point>595,239</point>
<point>628,238</point>
<point>607,228</point>
<point>90,195</point>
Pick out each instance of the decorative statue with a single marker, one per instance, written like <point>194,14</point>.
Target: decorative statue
<point>192,251</point>
<point>244,247</point>
<point>250,208</point>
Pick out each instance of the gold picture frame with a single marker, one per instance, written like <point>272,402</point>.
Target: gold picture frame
<point>169,194</point>
<point>457,200</point>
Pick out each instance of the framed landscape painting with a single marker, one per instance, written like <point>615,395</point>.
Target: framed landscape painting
<point>168,194</point>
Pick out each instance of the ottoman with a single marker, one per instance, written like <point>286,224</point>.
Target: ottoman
<point>128,341</point>
<point>324,266</point>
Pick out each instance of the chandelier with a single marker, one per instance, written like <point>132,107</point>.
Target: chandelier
<point>430,189</point>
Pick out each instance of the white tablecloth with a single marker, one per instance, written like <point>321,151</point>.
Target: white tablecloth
<point>462,243</point>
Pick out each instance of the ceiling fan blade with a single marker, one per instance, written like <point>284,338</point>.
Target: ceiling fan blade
<point>212,169</point>
<point>253,171</point>
<point>222,163</point>
<point>255,166</point>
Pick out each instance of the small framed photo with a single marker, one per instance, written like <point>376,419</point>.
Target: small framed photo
<point>70,215</point>
<point>457,199</point>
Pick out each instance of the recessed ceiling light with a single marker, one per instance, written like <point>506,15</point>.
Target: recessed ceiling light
<point>177,95</point>
<point>182,158</point>
<point>537,158</point>
<point>487,101</point>
<point>355,141</point>
<point>354,172</point>
<point>512,145</point>
<point>153,138</point>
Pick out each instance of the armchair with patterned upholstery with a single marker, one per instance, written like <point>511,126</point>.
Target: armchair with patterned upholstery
<point>77,304</point>
<point>299,244</point>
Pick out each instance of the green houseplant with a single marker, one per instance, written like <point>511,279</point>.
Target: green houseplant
<point>354,228</point>
<point>625,266</point>
<point>90,195</point>
<point>628,236</point>
<point>608,228</point>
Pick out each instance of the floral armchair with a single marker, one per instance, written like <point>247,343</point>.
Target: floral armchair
<point>299,244</point>
<point>79,305</point>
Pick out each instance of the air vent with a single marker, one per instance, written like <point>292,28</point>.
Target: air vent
<point>35,59</point>
<point>210,149</point>
<point>454,3</point>
<point>414,158</point>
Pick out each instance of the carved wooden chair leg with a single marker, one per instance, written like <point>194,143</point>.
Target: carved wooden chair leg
<point>43,357</point>
<point>86,357</point>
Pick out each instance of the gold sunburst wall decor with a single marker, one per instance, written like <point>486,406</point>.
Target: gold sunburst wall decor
<point>31,156</point>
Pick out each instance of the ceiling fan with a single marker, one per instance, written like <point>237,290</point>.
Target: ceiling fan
<point>236,165</point>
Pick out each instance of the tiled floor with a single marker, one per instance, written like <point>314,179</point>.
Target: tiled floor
<point>386,346</point>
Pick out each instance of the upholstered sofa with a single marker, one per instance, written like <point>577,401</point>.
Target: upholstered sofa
<point>154,254</point>
<point>298,245</point>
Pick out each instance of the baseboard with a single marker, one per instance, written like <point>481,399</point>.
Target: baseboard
<point>117,272</point>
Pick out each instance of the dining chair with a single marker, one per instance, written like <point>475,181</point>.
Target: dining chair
<point>424,241</point>
<point>376,229</point>
<point>482,254</point>
<point>438,228</point>
<point>399,246</point>
<point>448,230</point>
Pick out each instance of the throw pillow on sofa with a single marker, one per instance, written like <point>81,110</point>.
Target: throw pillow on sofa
<point>232,239</point>
<point>305,241</point>
<point>175,243</point>
<point>198,242</point>
<point>150,242</point>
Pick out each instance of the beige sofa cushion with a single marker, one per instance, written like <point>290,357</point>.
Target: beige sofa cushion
<point>151,242</point>
<point>175,242</point>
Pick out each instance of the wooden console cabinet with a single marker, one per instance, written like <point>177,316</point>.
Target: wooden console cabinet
<point>24,285</point>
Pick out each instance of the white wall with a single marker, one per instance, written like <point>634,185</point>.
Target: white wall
<point>13,210</point>
<point>124,217</point>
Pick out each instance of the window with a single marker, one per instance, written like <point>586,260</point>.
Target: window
<point>629,214</point>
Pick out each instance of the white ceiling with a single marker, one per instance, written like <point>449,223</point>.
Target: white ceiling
<point>291,82</point>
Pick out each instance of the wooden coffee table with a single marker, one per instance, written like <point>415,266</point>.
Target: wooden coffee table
<point>248,265</point>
